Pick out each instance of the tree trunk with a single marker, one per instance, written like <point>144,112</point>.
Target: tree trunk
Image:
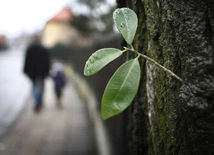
<point>168,117</point>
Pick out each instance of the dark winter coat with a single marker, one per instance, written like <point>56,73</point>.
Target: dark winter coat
<point>37,62</point>
<point>59,80</point>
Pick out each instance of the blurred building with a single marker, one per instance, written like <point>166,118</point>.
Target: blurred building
<point>58,30</point>
<point>3,41</point>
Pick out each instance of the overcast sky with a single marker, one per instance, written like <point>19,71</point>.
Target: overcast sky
<point>19,16</point>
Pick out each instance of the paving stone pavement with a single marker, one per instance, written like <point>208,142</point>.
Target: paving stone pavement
<point>52,131</point>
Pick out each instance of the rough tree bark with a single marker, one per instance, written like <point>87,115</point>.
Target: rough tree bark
<point>168,117</point>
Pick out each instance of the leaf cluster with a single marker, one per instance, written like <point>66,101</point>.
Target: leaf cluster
<point>123,85</point>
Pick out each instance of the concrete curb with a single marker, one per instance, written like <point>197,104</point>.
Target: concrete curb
<point>103,144</point>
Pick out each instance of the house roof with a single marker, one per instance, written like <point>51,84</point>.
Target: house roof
<point>63,16</point>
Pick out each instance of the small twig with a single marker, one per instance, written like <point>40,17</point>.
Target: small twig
<point>157,64</point>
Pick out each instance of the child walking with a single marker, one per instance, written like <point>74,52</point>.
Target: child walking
<point>59,80</point>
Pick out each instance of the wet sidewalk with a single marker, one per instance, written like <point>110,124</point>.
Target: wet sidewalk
<point>53,131</point>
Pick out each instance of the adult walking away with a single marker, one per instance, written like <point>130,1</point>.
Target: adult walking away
<point>36,67</point>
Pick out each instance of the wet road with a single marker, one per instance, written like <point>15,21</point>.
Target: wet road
<point>14,86</point>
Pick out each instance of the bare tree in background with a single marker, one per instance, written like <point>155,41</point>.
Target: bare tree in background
<point>97,20</point>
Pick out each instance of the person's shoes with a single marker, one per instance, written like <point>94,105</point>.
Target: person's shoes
<point>37,107</point>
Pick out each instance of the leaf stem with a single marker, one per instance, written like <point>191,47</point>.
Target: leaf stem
<point>157,64</point>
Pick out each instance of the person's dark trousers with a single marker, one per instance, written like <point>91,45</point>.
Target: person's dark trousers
<point>38,90</point>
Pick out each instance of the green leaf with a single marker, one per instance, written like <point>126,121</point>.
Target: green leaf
<point>126,22</point>
<point>121,89</point>
<point>100,59</point>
